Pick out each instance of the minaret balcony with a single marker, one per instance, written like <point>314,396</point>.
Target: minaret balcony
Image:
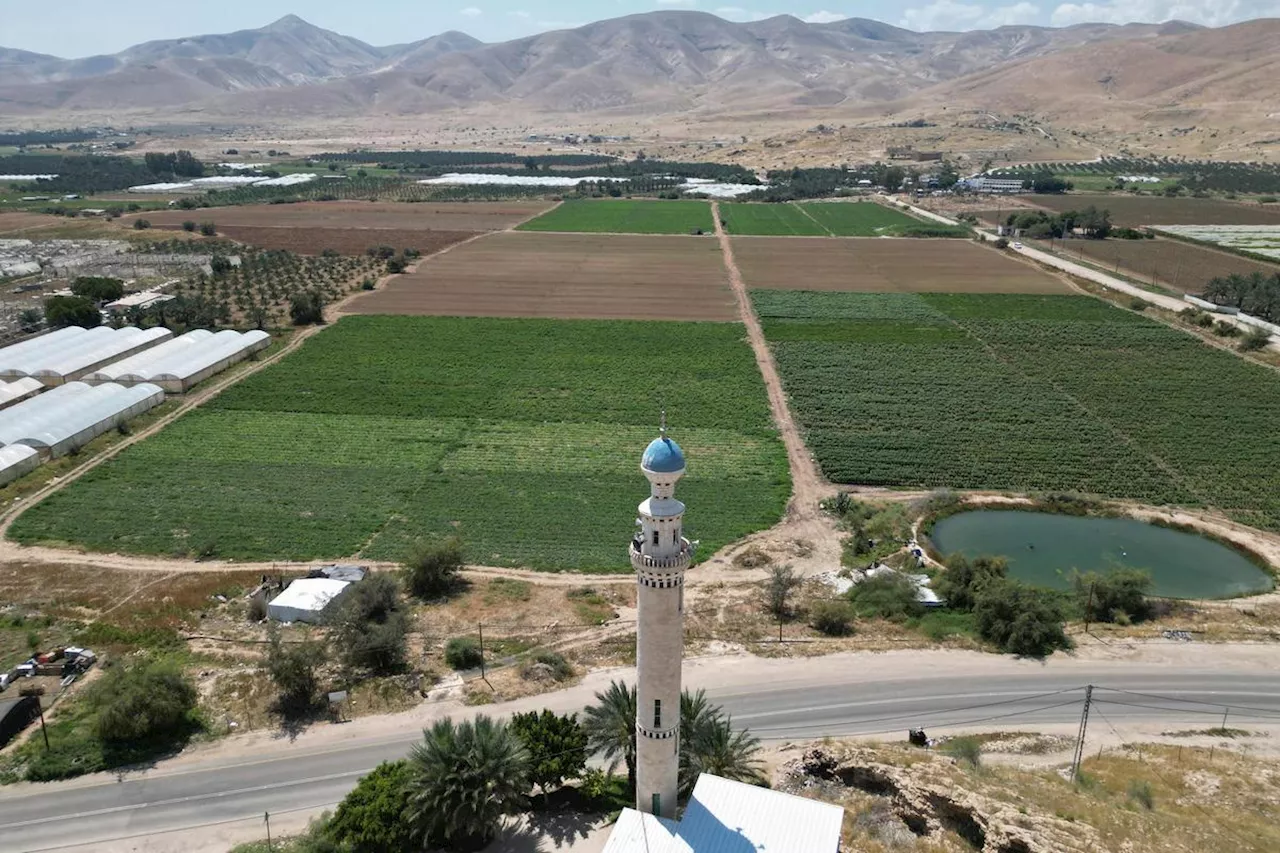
<point>677,562</point>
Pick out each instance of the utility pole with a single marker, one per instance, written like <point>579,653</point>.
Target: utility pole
<point>1225,711</point>
<point>484,676</point>
<point>266,816</point>
<point>1084,725</point>
<point>45,731</point>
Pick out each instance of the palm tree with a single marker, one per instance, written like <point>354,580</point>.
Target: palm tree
<point>719,750</point>
<point>611,727</point>
<point>463,778</point>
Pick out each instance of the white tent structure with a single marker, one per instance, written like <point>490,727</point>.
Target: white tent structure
<point>55,359</point>
<point>16,460</point>
<point>18,390</point>
<point>73,414</point>
<point>179,364</point>
<point>305,600</point>
<point>724,816</point>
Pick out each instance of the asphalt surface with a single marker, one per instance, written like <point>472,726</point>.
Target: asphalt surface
<point>841,702</point>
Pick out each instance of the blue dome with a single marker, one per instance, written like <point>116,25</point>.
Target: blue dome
<point>662,456</point>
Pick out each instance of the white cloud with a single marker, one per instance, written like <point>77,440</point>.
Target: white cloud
<point>470,12</point>
<point>521,14</point>
<point>953,15</point>
<point>1213,13</point>
<point>823,17</point>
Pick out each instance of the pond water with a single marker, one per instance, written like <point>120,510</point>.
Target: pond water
<point>1043,548</point>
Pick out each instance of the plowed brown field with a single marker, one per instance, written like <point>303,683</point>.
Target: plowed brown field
<point>1181,266</point>
<point>440,216</point>
<point>599,276</point>
<point>1133,211</point>
<point>875,265</point>
<point>345,241</point>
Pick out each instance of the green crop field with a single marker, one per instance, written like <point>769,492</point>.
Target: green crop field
<point>769,220</point>
<point>1025,393</point>
<point>626,216</point>
<point>524,436</point>
<point>858,218</point>
<point>821,219</point>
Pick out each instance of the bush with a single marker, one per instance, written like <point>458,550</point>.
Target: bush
<point>967,750</point>
<point>432,567</point>
<point>370,818</point>
<point>547,661</point>
<point>208,229</point>
<point>1140,793</point>
<point>1137,303</point>
<point>150,702</point>
<point>1225,329</point>
<point>960,584</point>
<point>833,618</point>
<point>463,653</point>
<point>1002,243</point>
<point>189,226</point>
<point>371,626</point>
<point>778,588</point>
<point>306,309</point>
<point>141,224</point>
<point>395,266</point>
<point>1019,619</point>
<point>294,671</point>
<point>889,596</point>
<point>1255,339</point>
<point>557,746</point>
<point>1118,596</point>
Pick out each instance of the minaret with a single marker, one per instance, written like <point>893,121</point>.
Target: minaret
<point>660,555</point>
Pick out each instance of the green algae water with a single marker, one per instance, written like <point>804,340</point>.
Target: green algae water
<point>1043,548</point>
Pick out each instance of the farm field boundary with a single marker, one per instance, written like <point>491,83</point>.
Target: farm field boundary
<point>625,216</point>
<point>519,435</point>
<point>1024,393</point>
<point>813,219</point>
<point>599,276</point>
<point>878,265</point>
<point>1182,266</point>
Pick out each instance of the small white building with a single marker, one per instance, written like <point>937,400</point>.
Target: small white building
<point>306,599</point>
<point>725,817</point>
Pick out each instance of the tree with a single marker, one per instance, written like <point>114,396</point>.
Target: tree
<point>141,224</point>
<point>370,626</point>
<point>463,653</point>
<point>30,320</point>
<point>960,584</point>
<point>463,778</point>
<point>890,595</point>
<point>395,266</point>
<point>189,226</point>
<point>557,746</point>
<point>145,702</point>
<point>220,264</point>
<point>718,749</point>
<point>208,229</point>
<point>611,727</point>
<point>306,308</point>
<point>833,618</point>
<point>1118,596</point>
<point>781,583</point>
<point>432,566</point>
<point>98,288</point>
<point>1019,619</point>
<point>294,671</point>
<point>60,311</point>
<point>370,819</point>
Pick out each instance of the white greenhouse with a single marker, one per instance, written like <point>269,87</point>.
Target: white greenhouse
<point>16,460</point>
<point>18,390</point>
<point>306,599</point>
<point>178,364</point>
<point>56,359</point>
<point>10,354</point>
<point>71,415</point>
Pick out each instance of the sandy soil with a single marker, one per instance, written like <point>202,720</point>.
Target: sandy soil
<point>528,274</point>
<point>875,265</point>
<point>440,216</point>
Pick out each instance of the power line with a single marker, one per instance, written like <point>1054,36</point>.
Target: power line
<point>1218,705</point>
<point>1255,714</point>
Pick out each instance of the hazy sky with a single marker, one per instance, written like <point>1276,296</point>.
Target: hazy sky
<point>85,27</point>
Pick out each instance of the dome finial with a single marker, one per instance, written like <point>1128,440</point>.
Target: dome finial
<point>662,429</point>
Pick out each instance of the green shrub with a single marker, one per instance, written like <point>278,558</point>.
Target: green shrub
<point>1120,592</point>
<point>833,618</point>
<point>432,566</point>
<point>1020,619</point>
<point>1140,793</point>
<point>463,653</point>
<point>208,229</point>
<point>555,663</point>
<point>965,749</point>
<point>189,226</point>
<point>889,596</point>
<point>1255,339</point>
<point>141,224</point>
<point>960,584</point>
<point>370,818</point>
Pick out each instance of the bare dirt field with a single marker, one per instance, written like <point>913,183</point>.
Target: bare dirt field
<point>600,276</point>
<point>1129,210</point>
<point>345,241</point>
<point>880,266</point>
<point>1181,266</point>
<point>439,216</point>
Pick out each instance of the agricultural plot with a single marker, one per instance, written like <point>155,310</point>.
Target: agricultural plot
<point>883,266</point>
<point>1132,211</point>
<point>774,220</point>
<point>435,216</point>
<point>1181,266</point>
<point>626,216</point>
<point>1025,393</point>
<point>601,276</point>
<point>857,219</point>
<point>521,436</point>
<point>1259,239</point>
<point>344,241</point>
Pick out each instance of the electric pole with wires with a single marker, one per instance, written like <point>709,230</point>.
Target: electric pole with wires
<point>1084,726</point>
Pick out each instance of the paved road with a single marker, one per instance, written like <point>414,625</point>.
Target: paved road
<point>771,700</point>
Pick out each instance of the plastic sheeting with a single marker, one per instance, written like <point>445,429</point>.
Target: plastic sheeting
<point>62,359</point>
<point>179,364</point>
<point>71,415</point>
<point>16,460</point>
<point>18,390</point>
<point>305,600</point>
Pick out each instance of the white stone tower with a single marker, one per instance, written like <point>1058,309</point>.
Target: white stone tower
<point>660,555</point>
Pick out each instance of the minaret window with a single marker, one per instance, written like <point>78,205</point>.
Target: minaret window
<point>675,537</point>
<point>657,713</point>
<point>655,537</point>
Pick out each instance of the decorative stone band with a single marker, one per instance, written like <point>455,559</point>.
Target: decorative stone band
<point>657,734</point>
<point>663,581</point>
